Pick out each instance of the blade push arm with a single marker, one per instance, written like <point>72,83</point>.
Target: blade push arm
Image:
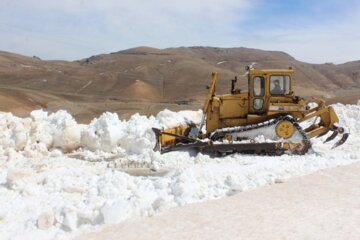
<point>208,98</point>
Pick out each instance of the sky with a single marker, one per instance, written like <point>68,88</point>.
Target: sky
<point>314,31</point>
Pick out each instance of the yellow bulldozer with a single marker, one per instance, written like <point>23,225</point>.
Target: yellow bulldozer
<point>264,120</point>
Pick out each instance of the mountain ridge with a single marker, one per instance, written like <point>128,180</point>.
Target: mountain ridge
<point>174,74</point>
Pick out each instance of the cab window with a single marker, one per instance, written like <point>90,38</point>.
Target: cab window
<point>259,86</point>
<point>279,84</point>
<point>258,103</point>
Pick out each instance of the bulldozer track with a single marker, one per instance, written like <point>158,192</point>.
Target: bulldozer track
<point>221,133</point>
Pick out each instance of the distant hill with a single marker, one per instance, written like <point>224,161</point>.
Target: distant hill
<point>164,77</point>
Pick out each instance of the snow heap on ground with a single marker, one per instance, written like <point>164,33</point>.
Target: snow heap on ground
<point>59,178</point>
<point>42,133</point>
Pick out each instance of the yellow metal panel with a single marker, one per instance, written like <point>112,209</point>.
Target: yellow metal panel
<point>253,118</point>
<point>317,132</point>
<point>167,140</point>
<point>232,122</point>
<point>271,71</point>
<point>286,107</point>
<point>211,91</point>
<point>333,117</point>
<point>212,119</point>
<point>234,106</point>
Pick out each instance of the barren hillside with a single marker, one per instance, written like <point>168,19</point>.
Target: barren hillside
<point>147,79</point>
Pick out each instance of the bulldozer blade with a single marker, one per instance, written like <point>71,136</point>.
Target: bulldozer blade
<point>341,141</point>
<point>331,137</point>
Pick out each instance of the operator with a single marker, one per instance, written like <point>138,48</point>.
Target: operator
<point>276,89</point>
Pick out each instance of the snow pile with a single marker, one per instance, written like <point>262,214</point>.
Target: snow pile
<point>42,133</point>
<point>48,190</point>
<point>39,132</point>
<point>103,133</point>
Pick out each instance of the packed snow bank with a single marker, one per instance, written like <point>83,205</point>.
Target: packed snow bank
<point>42,132</point>
<point>47,190</point>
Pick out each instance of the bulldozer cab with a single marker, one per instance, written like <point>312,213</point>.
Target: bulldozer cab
<point>266,86</point>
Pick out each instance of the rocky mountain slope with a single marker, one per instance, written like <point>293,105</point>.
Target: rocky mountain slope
<point>147,79</point>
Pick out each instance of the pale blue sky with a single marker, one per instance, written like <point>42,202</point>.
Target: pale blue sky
<point>311,31</point>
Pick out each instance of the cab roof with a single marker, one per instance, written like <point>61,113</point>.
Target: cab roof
<point>288,71</point>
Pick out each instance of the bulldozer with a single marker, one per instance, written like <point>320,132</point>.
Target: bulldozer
<point>266,119</point>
